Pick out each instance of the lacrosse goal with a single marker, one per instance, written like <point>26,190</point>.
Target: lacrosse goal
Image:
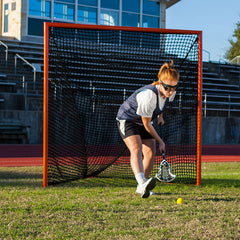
<point>89,70</point>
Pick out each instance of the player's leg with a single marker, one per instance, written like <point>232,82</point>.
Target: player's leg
<point>149,152</point>
<point>134,144</point>
<point>130,133</point>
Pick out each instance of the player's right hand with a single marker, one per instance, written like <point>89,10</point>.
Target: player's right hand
<point>162,146</point>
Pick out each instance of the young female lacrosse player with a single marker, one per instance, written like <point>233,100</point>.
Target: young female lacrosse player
<point>134,120</point>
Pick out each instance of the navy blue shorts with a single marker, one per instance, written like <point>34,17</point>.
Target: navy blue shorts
<point>128,128</point>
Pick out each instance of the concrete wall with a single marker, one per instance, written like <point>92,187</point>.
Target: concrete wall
<point>1,17</point>
<point>221,130</point>
<point>163,15</point>
<point>14,19</point>
<point>24,13</point>
<point>34,119</point>
<point>216,130</point>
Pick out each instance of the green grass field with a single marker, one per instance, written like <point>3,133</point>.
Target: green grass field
<point>110,209</point>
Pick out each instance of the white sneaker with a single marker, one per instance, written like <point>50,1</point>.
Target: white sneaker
<point>145,188</point>
<point>150,192</point>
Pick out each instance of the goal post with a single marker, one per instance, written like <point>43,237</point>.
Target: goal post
<point>88,72</point>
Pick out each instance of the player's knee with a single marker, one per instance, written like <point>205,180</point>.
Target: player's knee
<point>150,153</point>
<point>136,150</point>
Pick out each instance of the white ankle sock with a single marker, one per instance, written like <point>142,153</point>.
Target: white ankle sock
<point>140,178</point>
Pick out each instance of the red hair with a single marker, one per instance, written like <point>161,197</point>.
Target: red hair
<point>167,71</point>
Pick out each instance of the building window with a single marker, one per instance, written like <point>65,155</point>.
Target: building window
<point>87,14</point>
<point>131,6</point>
<point>109,18</point>
<point>64,11</point>
<point>40,8</point>
<point>36,26</point>
<point>13,6</point>
<point>111,4</point>
<point>151,7</point>
<point>150,22</point>
<point>66,1</point>
<point>88,2</point>
<point>130,20</point>
<point>5,17</point>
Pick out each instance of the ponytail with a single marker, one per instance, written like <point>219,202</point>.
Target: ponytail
<point>168,71</point>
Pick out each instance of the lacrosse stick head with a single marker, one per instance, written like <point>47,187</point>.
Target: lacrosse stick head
<point>164,174</point>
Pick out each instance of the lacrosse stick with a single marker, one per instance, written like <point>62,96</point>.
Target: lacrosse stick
<point>164,174</point>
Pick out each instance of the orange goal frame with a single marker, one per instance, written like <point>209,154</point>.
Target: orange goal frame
<point>47,25</point>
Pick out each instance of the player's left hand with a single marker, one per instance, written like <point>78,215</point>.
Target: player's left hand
<point>162,146</point>
<point>160,120</point>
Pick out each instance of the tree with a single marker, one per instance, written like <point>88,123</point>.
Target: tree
<point>234,50</point>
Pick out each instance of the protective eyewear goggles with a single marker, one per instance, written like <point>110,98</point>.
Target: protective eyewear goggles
<point>169,88</point>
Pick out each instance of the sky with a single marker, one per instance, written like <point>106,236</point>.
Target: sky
<point>216,19</point>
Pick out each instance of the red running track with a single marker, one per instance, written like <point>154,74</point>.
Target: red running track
<point>31,155</point>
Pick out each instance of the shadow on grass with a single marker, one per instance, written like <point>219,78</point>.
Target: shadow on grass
<point>220,182</point>
<point>99,182</point>
<point>19,175</point>
<point>28,178</point>
<point>32,177</point>
<point>14,178</point>
<point>218,199</point>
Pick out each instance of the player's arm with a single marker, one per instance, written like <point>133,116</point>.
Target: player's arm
<point>149,127</point>
<point>160,119</point>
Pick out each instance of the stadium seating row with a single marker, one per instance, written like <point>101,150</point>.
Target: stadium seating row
<point>221,82</point>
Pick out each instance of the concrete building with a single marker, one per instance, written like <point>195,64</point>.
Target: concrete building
<point>23,19</point>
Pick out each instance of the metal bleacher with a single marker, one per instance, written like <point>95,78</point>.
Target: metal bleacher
<point>17,74</point>
<point>19,90</point>
<point>221,89</point>
<point>220,81</point>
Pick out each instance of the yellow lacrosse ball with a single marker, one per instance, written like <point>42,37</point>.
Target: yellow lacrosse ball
<point>180,201</point>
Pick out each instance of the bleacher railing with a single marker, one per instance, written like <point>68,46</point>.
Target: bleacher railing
<point>227,106</point>
<point>6,50</point>
<point>208,53</point>
<point>31,65</point>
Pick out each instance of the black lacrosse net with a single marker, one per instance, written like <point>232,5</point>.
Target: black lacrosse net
<point>91,72</point>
